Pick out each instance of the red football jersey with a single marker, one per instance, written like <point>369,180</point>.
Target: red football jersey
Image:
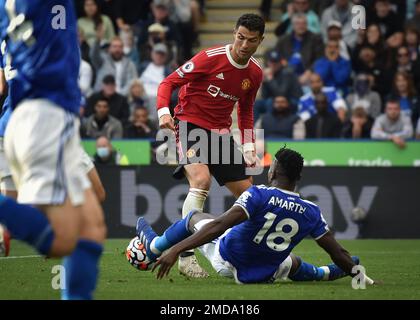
<point>212,82</point>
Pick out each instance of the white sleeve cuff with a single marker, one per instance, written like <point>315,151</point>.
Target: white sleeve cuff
<point>249,146</point>
<point>163,111</point>
<point>244,208</point>
<point>305,116</point>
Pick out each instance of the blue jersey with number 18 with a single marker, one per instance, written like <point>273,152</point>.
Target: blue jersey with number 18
<point>42,45</point>
<point>277,221</point>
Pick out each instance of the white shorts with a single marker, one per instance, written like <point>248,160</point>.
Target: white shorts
<point>43,150</point>
<point>225,268</point>
<point>87,162</point>
<point>6,181</point>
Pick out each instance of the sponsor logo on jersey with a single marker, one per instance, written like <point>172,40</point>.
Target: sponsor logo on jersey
<point>246,84</point>
<point>188,67</point>
<point>215,91</point>
<point>220,76</point>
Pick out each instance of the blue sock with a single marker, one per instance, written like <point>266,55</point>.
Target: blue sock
<point>308,272</point>
<point>174,234</point>
<point>82,270</point>
<point>26,223</point>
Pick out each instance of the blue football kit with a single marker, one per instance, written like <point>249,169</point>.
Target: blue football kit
<point>39,39</point>
<point>43,49</point>
<point>277,221</point>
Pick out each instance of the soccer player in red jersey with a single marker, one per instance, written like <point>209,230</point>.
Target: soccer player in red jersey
<point>211,83</point>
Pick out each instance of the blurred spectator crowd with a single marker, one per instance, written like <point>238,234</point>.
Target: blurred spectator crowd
<point>127,48</point>
<point>324,78</point>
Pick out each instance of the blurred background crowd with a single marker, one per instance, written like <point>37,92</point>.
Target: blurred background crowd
<point>323,77</point>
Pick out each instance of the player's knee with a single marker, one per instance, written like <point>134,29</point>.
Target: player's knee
<point>197,217</point>
<point>201,181</point>
<point>94,230</point>
<point>101,232</point>
<point>98,234</point>
<point>63,245</point>
<point>296,262</point>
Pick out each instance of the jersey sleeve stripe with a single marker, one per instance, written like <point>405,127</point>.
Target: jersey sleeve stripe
<point>245,209</point>
<point>215,54</point>
<point>256,62</point>
<point>319,237</point>
<point>215,49</point>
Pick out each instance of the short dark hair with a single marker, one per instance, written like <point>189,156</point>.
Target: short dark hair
<point>393,100</point>
<point>290,163</point>
<point>140,107</point>
<point>102,100</point>
<point>252,22</point>
<point>108,79</point>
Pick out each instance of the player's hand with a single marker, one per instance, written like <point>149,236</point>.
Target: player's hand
<point>166,122</point>
<point>372,282</point>
<point>250,158</point>
<point>166,262</point>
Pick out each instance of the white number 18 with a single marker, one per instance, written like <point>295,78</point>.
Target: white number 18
<point>278,233</point>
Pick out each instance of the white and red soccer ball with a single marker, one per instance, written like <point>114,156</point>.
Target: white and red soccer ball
<point>136,255</point>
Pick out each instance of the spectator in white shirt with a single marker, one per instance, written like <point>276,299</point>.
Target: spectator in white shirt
<point>393,125</point>
<point>153,74</point>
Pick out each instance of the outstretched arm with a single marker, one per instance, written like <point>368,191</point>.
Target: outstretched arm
<point>190,71</point>
<point>209,232</point>
<point>338,254</point>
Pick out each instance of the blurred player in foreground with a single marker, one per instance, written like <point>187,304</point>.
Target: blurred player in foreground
<point>252,242</point>
<point>212,82</point>
<point>7,186</point>
<point>58,212</point>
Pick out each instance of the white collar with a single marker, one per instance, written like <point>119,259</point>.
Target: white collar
<point>232,62</point>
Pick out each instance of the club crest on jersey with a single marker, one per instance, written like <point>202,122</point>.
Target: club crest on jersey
<point>246,84</point>
<point>243,199</point>
<point>190,153</point>
<point>188,67</point>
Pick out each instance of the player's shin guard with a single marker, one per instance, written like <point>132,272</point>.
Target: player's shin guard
<point>307,272</point>
<point>81,271</point>
<point>194,200</point>
<point>27,223</point>
<point>174,234</point>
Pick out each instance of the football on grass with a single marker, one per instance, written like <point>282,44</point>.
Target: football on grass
<point>136,255</point>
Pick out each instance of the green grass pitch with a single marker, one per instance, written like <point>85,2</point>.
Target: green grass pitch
<point>25,275</point>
